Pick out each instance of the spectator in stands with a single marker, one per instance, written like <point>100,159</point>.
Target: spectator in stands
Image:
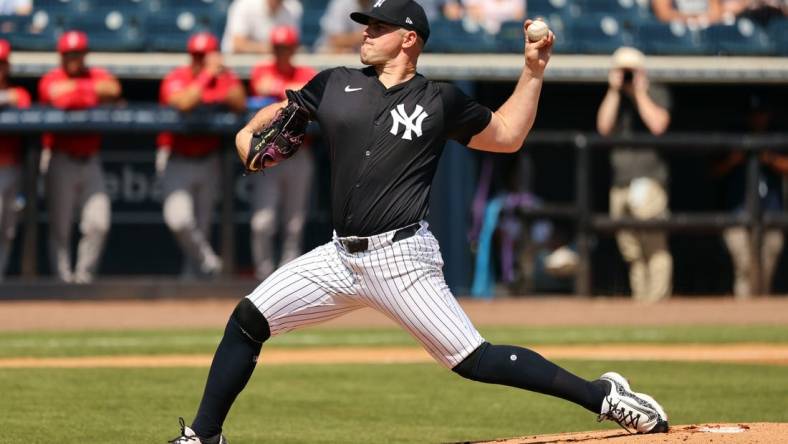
<point>339,34</point>
<point>773,170</point>
<point>190,164</point>
<point>16,7</point>
<point>10,159</point>
<point>490,14</point>
<point>70,161</point>
<point>695,13</point>
<point>633,105</point>
<point>249,23</point>
<point>281,195</point>
<point>761,11</point>
<point>453,10</point>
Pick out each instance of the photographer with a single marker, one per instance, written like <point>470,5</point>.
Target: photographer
<point>631,105</point>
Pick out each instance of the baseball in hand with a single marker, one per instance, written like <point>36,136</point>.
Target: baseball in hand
<point>537,31</point>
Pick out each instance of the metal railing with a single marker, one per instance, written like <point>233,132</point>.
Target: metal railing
<point>152,118</point>
<point>588,223</point>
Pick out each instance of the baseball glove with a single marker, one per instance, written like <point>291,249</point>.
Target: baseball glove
<point>279,140</point>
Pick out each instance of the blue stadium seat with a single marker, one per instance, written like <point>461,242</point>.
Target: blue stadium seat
<point>111,29</point>
<point>36,32</point>
<point>599,34</point>
<point>743,37</point>
<point>547,8</point>
<point>675,38</point>
<point>451,37</point>
<point>169,29</point>
<point>778,32</point>
<point>57,6</point>
<point>510,37</point>
<point>310,25</point>
<point>196,6</point>
<point>624,10</point>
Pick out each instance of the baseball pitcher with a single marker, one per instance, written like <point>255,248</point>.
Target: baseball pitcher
<point>386,126</point>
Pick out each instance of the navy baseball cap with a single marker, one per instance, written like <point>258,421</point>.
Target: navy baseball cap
<point>405,13</point>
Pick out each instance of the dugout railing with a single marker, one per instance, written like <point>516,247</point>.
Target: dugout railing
<point>588,223</point>
<point>152,119</point>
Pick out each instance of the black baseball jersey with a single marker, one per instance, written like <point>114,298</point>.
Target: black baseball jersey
<point>385,143</point>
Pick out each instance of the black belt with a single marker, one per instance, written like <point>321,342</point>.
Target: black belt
<point>360,244</point>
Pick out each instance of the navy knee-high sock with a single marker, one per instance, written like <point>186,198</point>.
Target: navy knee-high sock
<point>232,366</point>
<point>519,367</point>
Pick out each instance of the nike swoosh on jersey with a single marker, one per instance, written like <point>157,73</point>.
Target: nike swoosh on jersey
<point>348,89</point>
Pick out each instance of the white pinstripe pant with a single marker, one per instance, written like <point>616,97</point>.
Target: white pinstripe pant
<point>403,280</point>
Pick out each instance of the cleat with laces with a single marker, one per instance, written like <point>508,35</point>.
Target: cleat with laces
<point>189,437</point>
<point>634,412</point>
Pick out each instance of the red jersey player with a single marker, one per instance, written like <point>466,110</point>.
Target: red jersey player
<point>190,164</point>
<point>10,159</point>
<point>74,179</point>
<point>272,80</point>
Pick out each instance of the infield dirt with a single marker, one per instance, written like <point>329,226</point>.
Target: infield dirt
<point>752,433</point>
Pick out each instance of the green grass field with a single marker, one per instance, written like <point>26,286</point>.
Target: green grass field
<point>405,403</point>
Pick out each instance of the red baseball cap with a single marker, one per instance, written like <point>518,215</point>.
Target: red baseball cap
<point>284,36</point>
<point>202,42</point>
<point>72,41</point>
<point>5,50</point>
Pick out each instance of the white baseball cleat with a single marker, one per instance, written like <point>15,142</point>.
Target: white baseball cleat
<point>189,437</point>
<point>635,412</point>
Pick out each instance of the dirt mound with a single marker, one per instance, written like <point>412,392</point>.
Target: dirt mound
<point>752,433</point>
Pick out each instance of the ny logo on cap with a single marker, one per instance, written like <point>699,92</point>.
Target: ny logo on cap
<point>412,123</point>
<point>378,3</point>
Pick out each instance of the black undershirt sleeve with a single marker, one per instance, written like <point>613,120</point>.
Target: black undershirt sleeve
<point>465,117</point>
<point>311,94</point>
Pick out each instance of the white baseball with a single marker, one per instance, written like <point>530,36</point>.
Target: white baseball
<point>537,31</point>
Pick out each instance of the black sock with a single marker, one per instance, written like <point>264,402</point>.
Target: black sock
<point>519,367</point>
<point>232,366</point>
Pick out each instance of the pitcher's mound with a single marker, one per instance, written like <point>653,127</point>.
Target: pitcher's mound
<point>751,433</point>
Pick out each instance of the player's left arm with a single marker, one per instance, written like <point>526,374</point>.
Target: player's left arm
<point>260,120</point>
<point>511,123</point>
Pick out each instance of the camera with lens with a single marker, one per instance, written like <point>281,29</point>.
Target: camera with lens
<point>628,76</point>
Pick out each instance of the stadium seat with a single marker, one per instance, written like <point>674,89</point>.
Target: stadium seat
<point>599,34</point>
<point>510,38</point>
<point>169,29</point>
<point>626,11</point>
<point>310,25</point>
<point>197,6</point>
<point>111,29</point>
<point>675,38</point>
<point>452,37</point>
<point>743,37</point>
<point>57,6</point>
<point>36,32</point>
<point>548,8</point>
<point>778,32</point>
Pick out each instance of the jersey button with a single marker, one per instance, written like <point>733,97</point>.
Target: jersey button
<point>367,153</point>
<point>358,184</point>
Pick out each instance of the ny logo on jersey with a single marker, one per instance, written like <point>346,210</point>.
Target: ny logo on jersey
<point>378,3</point>
<point>412,123</point>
